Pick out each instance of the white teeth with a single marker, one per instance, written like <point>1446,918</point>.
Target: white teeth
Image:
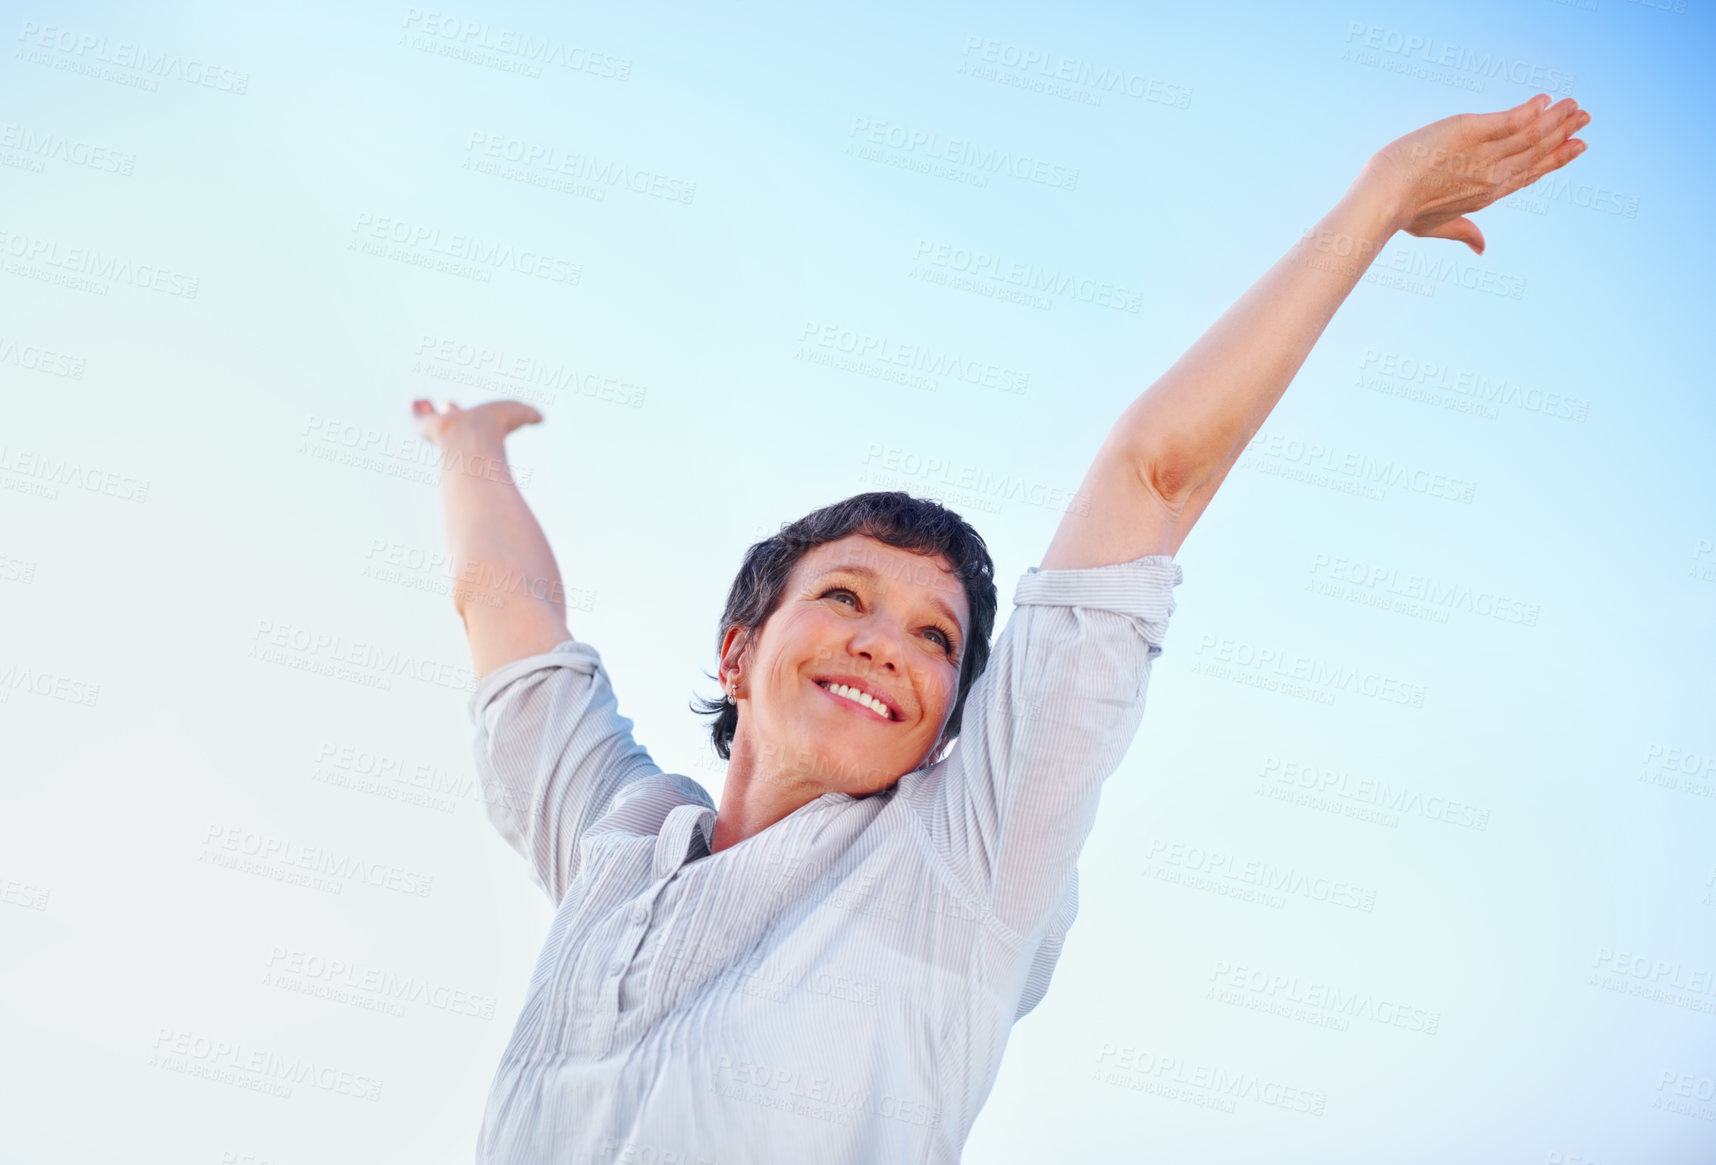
<point>858,697</point>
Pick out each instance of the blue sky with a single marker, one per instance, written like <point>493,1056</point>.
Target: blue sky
<point>679,235</point>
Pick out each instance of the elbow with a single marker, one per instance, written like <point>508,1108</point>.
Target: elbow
<point>1171,481</point>
<point>1169,465</point>
<point>462,598</point>
<point>1170,476</point>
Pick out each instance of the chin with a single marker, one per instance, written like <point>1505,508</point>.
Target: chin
<point>855,771</point>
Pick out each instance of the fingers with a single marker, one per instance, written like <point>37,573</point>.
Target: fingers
<point>1544,126</point>
<point>507,413</point>
<point>1552,152</point>
<point>1461,230</point>
<point>1508,122</point>
<point>1511,140</point>
<point>1575,121</point>
<point>1516,159</point>
<point>1559,157</point>
<point>510,414</point>
<point>513,413</point>
<point>424,408</point>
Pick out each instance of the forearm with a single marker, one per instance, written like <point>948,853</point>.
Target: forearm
<point>1171,449</point>
<point>497,550</point>
<point>1192,424</point>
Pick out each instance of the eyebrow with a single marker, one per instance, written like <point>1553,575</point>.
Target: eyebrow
<point>872,574</point>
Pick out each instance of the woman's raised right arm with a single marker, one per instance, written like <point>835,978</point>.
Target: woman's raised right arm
<point>506,584</point>
<point>1173,446</point>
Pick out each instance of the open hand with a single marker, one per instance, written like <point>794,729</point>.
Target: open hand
<point>496,418</point>
<point>1443,172</point>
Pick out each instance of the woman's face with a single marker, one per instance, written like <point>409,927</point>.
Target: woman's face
<point>856,614</point>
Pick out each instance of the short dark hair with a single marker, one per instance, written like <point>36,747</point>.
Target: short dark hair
<point>896,518</point>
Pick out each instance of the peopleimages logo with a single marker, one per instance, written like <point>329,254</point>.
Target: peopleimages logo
<point>285,854</point>
<point>1361,467</point>
<point>519,374</point>
<point>39,359</point>
<point>528,48</point>
<point>55,685</point>
<point>1229,658</point>
<point>87,48</point>
<point>984,482</point>
<point>1140,1068</point>
<point>989,159</point>
<point>48,146</point>
<point>47,472</point>
<point>1440,53</point>
<point>603,174</point>
<point>1436,594</point>
<point>1062,76</point>
<point>1470,382</point>
<point>882,349</point>
<point>255,1068</point>
<point>101,266</point>
<point>984,268</point>
<point>482,253</point>
<point>1373,792</point>
<point>296,968</point>
<point>1274,986</point>
<point>285,643</point>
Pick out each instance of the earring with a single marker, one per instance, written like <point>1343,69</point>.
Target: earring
<point>733,693</point>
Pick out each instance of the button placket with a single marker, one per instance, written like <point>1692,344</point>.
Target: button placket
<point>607,1013</point>
<point>600,994</point>
<point>591,999</point>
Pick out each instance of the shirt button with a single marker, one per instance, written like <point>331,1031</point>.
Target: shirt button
<point>640,914</point>
<point>616,970</point>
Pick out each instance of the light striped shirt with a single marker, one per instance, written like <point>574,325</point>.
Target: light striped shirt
<point>839,987</point>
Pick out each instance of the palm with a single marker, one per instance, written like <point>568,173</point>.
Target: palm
<point>1453,167</point>
<point>435,422</point>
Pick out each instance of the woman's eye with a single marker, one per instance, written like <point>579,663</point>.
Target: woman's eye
<point>941,636</point>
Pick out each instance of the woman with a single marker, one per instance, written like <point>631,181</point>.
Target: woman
<point>827,968</point>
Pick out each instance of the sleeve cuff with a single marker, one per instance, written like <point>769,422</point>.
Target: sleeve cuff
<point>1143,587</point>
<point>573,653</point>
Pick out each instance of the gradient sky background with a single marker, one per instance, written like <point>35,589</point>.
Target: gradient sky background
<point>1567,949</point>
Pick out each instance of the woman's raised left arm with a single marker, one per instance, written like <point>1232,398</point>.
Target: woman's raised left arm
<point>1173,446</point>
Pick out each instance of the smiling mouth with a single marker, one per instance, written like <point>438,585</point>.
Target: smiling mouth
<point>849,695</point>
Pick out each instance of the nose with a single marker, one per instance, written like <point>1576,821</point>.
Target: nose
<point>877,639</point>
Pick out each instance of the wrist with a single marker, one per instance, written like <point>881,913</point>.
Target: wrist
<point>472,437</point>
<point>1380,195</point>
<point>1354,231</point>
<point>474,451</point>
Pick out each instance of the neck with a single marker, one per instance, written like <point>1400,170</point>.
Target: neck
<point>756,794</point>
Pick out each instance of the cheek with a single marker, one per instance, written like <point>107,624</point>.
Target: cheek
<point>826,639</point>
<point>945,685</point>
<point>800,642</point>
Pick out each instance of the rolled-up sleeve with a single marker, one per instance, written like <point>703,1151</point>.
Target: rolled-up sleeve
<point>555,757</point>
<point>1049,721</point>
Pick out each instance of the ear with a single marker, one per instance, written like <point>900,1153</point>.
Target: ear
<point>734,646</point>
